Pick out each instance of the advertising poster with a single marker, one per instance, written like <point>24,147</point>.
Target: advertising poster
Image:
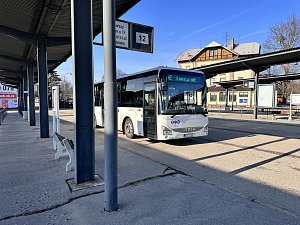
<point>8,97</point>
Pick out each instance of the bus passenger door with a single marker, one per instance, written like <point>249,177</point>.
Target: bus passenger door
<point>149,110</point>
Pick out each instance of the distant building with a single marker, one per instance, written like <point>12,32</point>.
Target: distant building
<point>215,53</point>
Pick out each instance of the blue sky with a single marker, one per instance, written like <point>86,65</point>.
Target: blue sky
<point>185,24</point>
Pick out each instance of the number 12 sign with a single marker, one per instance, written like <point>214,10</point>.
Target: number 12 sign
<point>142,38</point>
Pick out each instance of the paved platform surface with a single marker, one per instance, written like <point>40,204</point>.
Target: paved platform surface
<point>33,189</point>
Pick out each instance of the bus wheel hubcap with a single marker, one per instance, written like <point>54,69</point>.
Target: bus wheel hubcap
<point>128,128</point>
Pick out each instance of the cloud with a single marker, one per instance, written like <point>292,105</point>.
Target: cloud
<point>172,33</point>
<point>223,21</point>
<point>252,34</point>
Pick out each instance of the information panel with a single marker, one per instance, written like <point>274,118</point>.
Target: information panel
<point>122,34</point>
<point>266,95</point>
<point>295,99</point>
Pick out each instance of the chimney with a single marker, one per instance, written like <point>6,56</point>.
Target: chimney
<point>232,43</point>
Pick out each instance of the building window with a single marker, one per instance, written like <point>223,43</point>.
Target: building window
<point>213,97</point>
<point>222,77</point>
<point>212,81</point>
<point>230,97</point>
<point>222,96</point>
<point>243,94</point>
<point>213,54</point>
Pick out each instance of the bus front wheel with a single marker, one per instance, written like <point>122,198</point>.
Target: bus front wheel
<point>128,128</point>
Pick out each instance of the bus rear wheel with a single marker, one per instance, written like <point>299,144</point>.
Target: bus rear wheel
<point>128,128</point>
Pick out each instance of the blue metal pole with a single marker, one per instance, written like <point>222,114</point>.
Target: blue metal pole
<point>82,52</point>
<point>256,80</point>
<point>25,88</point>
<point>43,88</point>
<point>30,76</point>
<point>110,106</point>
<point>20,96</point>
<point>25,91</point>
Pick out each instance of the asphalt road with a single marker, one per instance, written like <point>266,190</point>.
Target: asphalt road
<point>256,160</point>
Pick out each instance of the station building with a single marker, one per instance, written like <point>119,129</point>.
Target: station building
<point>216,53</point>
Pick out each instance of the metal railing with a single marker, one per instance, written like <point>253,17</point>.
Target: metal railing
<point>3,114</point>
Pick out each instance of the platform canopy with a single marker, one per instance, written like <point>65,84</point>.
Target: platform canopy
<point>262,80</point>
<point>257,63</point>
<point>23,22</point>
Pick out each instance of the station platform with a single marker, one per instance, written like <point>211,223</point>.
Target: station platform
<point>34,189</point>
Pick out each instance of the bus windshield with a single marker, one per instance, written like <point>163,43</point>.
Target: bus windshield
<point>183,93</point>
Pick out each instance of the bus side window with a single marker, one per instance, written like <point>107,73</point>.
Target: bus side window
<point>97,96</point>
<point>119,94</point>
<point>101,99</point>
<point>139,92</point>
<point>128,97</point>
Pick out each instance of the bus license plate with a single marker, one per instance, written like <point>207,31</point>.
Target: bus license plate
<point>188,135</point>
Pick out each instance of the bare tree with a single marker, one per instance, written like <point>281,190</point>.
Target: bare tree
<point>66,91</point>
<point>53,80</point>
<point>284,35</point>
<point>119,71</point>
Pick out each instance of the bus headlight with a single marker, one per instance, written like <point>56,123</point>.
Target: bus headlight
<point>166,131</point>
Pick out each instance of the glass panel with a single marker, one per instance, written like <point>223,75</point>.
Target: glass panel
<point>119,94</point>
<point>139,92</point>
<point>128,93</point>
<point>101,100</point>
<point>243,94</point>
<point>149,110</point>
<point>222,96</point>
<point>183,94</point>
<point>97,90</point>
<point>230,97</point>
<point>213,97</point>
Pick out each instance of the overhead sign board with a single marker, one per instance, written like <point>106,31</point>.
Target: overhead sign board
<point>142,38</point>
<point>248,84</point>
<point>133,36</point>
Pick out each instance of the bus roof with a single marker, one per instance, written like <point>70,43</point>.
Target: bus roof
<point>150,72</point>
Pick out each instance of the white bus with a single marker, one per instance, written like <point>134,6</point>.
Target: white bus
<point>161,103</point>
